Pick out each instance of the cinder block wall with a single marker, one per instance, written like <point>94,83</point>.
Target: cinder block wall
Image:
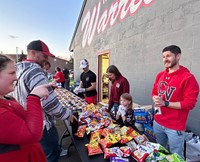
<point>135,45</point>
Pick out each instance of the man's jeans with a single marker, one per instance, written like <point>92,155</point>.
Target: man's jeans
<point>170,139</point>
<point>50,144</point>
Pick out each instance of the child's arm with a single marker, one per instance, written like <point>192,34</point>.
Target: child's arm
<point>118,113</point>
<point>117,116</point>
<point>124,118</point>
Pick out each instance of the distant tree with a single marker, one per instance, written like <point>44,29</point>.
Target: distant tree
<point>22,56</point>
<point>71,62</point>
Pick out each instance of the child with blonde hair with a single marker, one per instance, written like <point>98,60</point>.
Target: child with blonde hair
<point>124,114</point>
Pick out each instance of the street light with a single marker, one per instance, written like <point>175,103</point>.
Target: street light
<point>17,53</point>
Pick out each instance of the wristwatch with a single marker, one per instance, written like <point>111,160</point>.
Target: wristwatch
<point>166,103</point>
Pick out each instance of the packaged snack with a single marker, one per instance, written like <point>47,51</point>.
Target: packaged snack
<point>105,122</point>
<point>156,156</point>
<point>125,130</point>
<point>133,134</point>
<point>81,131</point>
<point>117,136</point>
<point>174,158</point>
<point>90,107</point>
<point>112,125</point>
<point>93,122</point>
<point>118,159</point>
<point>89,129</point>
<point>132,145</point>
<point>88,121</point>
<point>125,139</point>
<point>148,131</point>
<point>125,151</point>
<point>141,153</point>
<point>105,132</point>
<point>105,143</point>
<point>94,148</point>
<point>95,136</point>
<point>111,152</point>
<point>156,147</point>
<point>143,115</point>
<point>109,140</point>
<point>140,139</point>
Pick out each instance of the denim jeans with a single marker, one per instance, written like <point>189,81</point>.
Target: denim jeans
<point>50,145</point>
<point>169,138</point>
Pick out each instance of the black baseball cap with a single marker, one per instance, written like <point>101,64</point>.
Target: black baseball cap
<point>39,45</point>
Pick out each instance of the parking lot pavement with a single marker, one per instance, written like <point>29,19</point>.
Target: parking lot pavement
<point>73,155</point>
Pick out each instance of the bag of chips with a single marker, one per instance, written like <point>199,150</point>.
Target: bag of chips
<point>132,145</point>
<point>81,131</point>
<point>118,159</point>
<point>112,152</point>
<point>93,148</point>
<point>125,151</point>
<point>140,139</point>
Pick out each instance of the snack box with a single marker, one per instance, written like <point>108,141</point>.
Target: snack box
<point>148,131</point>
<point>143,114</point>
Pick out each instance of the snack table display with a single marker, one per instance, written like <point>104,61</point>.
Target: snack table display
<point>99,138</point>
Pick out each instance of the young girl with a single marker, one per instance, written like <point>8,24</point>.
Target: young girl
<point>124,114</point>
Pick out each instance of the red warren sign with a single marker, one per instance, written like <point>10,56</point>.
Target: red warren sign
<point>119,9</point>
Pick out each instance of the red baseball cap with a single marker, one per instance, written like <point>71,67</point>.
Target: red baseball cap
<point>39,45</point>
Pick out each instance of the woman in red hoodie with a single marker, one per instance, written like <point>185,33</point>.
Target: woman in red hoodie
<point>20,129</point>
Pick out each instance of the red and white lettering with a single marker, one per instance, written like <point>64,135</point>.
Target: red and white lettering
<point>119,9</point>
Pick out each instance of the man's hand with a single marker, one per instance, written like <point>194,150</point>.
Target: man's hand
<point>76,90</point>
<point>41,91</point>
<point>158,101</point>
<point>79,90</point>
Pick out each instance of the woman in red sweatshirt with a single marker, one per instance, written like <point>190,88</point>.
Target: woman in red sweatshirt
<point>60,77</point>
<point>119,86</point>
<point>20,129</point>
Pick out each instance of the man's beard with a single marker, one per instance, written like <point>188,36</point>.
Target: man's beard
<point>172,64</point>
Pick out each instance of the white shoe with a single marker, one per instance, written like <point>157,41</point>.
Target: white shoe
<point>63,152</point>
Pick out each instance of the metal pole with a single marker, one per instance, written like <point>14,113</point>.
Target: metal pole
<point>17,53</point>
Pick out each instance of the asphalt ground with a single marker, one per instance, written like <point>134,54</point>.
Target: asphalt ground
<point>72,156</point>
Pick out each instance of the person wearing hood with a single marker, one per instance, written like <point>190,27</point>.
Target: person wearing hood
<point>175,92</point>
<point>30,74</point>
